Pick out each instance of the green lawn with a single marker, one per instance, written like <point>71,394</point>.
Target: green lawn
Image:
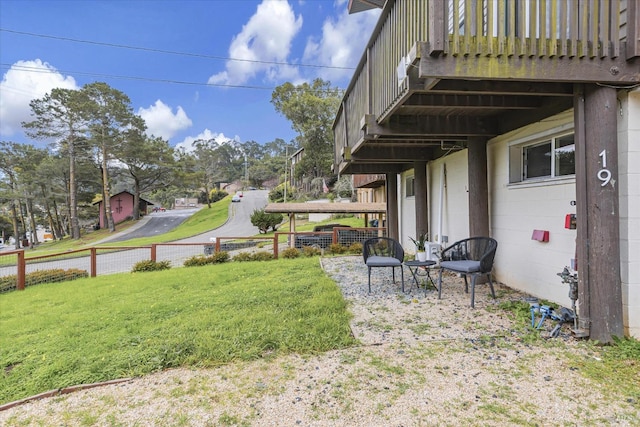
<point>96,329</point>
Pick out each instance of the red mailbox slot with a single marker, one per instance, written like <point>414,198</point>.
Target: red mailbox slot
<point>540,235</point>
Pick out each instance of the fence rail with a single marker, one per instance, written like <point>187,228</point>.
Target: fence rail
<point>15,267</point>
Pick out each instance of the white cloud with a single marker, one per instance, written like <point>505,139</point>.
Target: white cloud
<point>206,135</point>
<point>161,121</point>
<point>267,36</point>
<point>342,44</point>
<point>25,81</point>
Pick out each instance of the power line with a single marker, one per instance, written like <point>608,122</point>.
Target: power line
<point>115,76</point>
<point>170,52</point>
<point>24,68</point>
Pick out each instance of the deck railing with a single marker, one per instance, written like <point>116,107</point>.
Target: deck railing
<point>573,28</point>
<point>530,29</point>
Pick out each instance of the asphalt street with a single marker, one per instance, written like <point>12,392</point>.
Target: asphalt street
<point>238,224</point>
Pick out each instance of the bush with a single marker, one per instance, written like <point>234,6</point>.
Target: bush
<point>198,260</point>
<point>310,251</point>
<point>8,283</point>
<point>355,248</point>
<point>216,195</point>
<point>290,253</point>
<point>243,256</point>
<point>265,221</point>
<point>262,256</point>
<point>256,256</point>
<point>336,248</point>
<point>150,265</point>
<point>277,194</point>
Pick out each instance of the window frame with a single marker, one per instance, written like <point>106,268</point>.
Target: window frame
<point>409,186</point>
<point>518,167</point>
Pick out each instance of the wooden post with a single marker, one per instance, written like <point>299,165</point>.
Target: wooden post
<point>420,183</point>
<point>392,206</point>
<point>21,273</point>
<point>275,245</point>
<point>478,187</point>
<point>599,234</point>
<point>93,262</point>
<point>582,219</point>
<point>154,252</point>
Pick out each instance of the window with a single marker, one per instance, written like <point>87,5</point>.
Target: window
<point>409,186</point>
<point>548,158</point>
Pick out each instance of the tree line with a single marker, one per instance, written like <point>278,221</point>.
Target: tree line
<point>96,146</point>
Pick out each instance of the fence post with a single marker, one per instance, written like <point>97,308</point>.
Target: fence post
<point>94,262</point>
<point>153,252</point>
<point>21,271</point>
<point>275,245</point>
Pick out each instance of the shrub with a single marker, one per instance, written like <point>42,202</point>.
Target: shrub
<point>195,261</point>
<point>150,265</point>
<point>265,221</point>
<point>8,283</point>
<point>198,260</point>
<point>216,195</point>
<point>336,248</point>
<point>262,256</point>
<point>355,248</point>
<point>277,194</point>
<point>219,257</point>
<point>310,251</point>
<point>290,253</point>
<point>243,256</point>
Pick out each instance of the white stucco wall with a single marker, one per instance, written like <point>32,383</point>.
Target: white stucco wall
<point>455,198</point>
<point>455,202</point>
<point>407,214</point>
<point>629,187</point>
<point>516,210</point>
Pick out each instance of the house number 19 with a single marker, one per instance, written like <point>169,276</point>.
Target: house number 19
<point>604,174</point>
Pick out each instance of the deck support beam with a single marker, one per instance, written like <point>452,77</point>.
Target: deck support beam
<point>598,222</point>
<point>392,206</point>
<point>420,184</point>
<point>478,187</point>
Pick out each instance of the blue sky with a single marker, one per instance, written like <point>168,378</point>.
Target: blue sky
<point>226,58</point>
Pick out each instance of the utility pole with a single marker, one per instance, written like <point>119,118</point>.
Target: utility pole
<point>246,170</point>
<point>286,166</point>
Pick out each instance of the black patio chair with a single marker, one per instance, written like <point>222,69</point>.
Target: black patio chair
<point>469,257</point>
<point>383,252</point>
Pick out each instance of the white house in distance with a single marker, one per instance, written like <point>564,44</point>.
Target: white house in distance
<point>500,119</point>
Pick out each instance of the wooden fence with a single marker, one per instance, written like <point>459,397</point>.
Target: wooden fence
<point>103,260</point>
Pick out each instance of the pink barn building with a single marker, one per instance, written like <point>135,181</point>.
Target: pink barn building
<point>122,207</point>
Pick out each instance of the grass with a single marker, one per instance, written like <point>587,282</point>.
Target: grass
<point>117,326</point>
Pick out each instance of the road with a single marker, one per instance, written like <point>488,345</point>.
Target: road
<point>239,222</point>
<point>238,225</point>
